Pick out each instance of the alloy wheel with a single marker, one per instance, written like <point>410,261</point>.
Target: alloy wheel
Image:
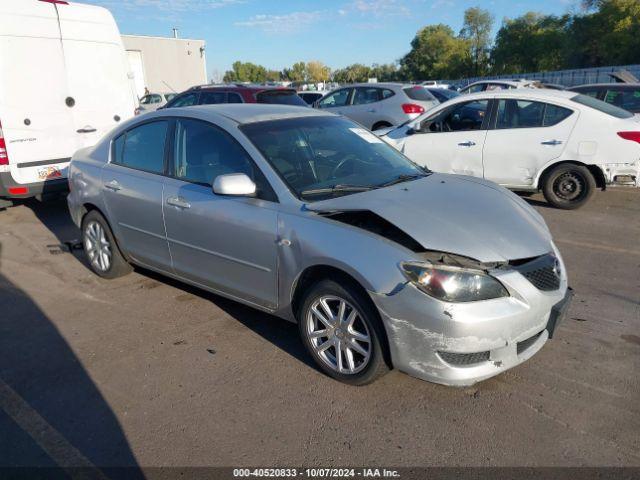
<point>97,246</point>
<point>338,335</point>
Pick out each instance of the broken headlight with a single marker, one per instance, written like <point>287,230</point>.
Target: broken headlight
<point>453,284</point>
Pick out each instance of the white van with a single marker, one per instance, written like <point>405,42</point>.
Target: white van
<point>64,83</point>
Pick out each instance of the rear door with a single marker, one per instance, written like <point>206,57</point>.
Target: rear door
<point>100,92</point>
<point>527,135</point>
<point>133,182</point>
<point>33,86</point>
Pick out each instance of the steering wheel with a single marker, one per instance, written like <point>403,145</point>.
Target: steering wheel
<point>347,159</point>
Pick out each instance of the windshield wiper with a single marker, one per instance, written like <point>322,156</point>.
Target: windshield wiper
<point>404,178</point>
<point>337,189</point>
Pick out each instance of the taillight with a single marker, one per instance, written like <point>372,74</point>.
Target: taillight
<point>412,108</point>
<point>4,157</point>
<point>18,190</point>
<point>633,136</point>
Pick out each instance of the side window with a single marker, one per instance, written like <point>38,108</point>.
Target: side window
<point>142,147</point>
<point>476,88</point>
<point>156,98</point>
<point>591,93</point>
<point>146,100</point>
<point>497,86</point>
<point>386,93</point>
<point>211,98</point>
<point>519,114</point>
<point>185,100</point>
<point>628,99</point>
<point>335,99</point>
<point>202,152</point>
<point>463,117</point>
<point>366,95</point>
<point>234,98</point>
<point>554,114</point>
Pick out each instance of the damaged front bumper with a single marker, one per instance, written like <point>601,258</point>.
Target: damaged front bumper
<point>463,343</point>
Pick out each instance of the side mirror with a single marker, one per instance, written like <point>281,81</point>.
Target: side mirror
<point>235,184</point>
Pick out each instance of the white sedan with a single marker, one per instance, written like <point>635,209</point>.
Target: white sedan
<point>562,143</point>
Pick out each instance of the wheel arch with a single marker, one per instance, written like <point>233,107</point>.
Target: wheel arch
<point>381,124</point>
<point>316,273</point>
<point>595,170</point>
<point>89,207</point>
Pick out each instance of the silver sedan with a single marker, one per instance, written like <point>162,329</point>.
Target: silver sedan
<point>310,217</point>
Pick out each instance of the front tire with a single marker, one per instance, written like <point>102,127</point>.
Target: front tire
<point>101,249</point>
<point>569,186</point>
<point>342,331</point>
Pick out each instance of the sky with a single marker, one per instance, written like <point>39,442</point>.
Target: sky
<point>278,33</point>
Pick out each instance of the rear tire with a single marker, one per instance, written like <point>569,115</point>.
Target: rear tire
<point>342,331</point>
<point>101,249</point>
<point>568,186</point>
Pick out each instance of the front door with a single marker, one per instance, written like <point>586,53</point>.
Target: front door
<point>132,187</point>
<point>527,136</point>
<point>452,141</point>
<point>226,243</point>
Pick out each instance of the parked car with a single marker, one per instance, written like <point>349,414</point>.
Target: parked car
<point>489,85</point>
<point>310,217</point>
<point>236,93</point>
<point>560,142</point>
<point>153,101</point>
<point>436,84</point>
<point>51,54</point>
<point>623,95</point>
<point>379,105</point>
<point>311,96</point>
<point>441,94</point>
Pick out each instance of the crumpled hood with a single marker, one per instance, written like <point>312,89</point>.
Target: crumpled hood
<point>456,214</point>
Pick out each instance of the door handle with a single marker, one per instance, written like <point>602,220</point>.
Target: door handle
<point>551,142</point>
<point>86,129</point>
<point>178,202</point>
<point>467,144</point>
<point>113,185</point>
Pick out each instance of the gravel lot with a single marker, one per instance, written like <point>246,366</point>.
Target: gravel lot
<point>147,371</point>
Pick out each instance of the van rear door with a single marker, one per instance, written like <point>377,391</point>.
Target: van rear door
<point>97,72</point>
<point>33,84</point>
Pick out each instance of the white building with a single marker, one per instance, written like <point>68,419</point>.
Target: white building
<point>165,64</point>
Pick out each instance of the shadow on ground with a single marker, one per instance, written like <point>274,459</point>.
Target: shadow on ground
<point>51,412</point>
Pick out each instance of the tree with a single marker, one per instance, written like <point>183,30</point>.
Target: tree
<point>607,34</point>
<point>385,72</point>
<point>436,53</point>
<point>246,72</point>
<point>530,43</point>
<point>273,76</point>
<point>355,73</point>
<point>317,72</point>
<point>297,73</point>
<point>477,30</point>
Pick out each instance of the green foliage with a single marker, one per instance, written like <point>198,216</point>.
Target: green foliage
<point>529,43</point>
<point>355,73</point>
<point>436,53</point>
<point>297,73</point>
<point>246,72</point>
<point>477,31</point>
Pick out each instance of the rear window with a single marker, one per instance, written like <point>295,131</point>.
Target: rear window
<point>627,98</point>
<point>442,95</point>
<point>602,106</point>
<point>420,94</point>
<point>280,97</point>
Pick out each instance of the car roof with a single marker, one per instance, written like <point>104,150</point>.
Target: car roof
<point>519,81</point>
<point>382,84</point>
<point>538,93</point>
<point>247,112</point>
<point>610,84</point>
<point>239,86</point>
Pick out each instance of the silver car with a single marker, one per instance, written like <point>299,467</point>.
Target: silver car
<point>310,217</point>
<point>379,105</point>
